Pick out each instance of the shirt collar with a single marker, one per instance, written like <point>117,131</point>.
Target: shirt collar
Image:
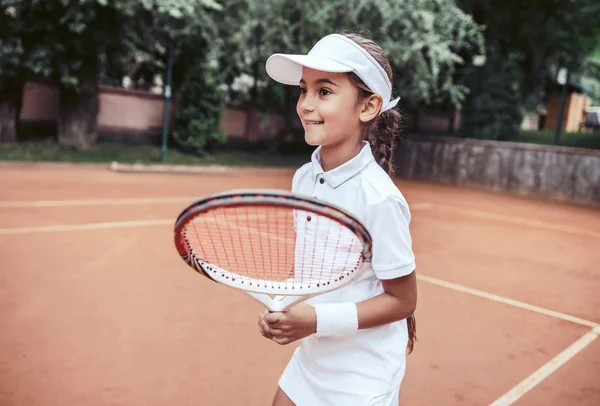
<point>342,173</point>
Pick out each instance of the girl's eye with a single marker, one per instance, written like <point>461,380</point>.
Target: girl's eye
<point>302,90</point>
<point>324,92</point>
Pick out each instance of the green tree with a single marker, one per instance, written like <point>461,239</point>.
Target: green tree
<point>590,77</point>
<point>200,106</point>
<point>90,27</point>
<point>193,47</point>
<point>22,55</point>
<point>428,42</point>
<point>11,74</point>
<point>75,36</point>
<point>527,41</point>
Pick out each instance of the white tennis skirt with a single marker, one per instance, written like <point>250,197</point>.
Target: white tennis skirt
<point>306,389</point>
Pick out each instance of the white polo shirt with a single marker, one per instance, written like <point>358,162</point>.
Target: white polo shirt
<point>365,367</point>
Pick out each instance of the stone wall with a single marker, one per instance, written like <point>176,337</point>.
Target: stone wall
<point>554,173</point>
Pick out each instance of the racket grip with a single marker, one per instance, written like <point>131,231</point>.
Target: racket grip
<point>336,319</point>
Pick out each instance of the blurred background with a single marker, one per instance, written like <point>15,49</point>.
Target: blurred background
<point>190,74</point>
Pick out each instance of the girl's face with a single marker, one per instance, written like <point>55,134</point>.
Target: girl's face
<point>328,108</point>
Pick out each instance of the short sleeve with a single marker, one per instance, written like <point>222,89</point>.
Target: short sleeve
<point>388,223</point>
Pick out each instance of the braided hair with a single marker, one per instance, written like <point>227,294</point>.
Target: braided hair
<point>381,132</point>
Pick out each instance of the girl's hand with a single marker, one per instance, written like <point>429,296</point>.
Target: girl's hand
<point>263,327</point>
<point>286,327</point>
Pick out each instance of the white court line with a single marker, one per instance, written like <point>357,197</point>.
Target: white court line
<point>421,206</point>
<point>94,202</point>
<point>547,369</point>
<point>522,221</point>
<point>511,302</point>
<point>127,201</point>
<point>90,226</point>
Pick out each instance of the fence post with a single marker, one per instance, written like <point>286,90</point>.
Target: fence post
<point>166,107</point>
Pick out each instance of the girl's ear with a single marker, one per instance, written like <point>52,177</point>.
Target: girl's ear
<point>370,108</point>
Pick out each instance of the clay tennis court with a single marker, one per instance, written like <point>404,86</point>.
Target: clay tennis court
<point>96,307</point>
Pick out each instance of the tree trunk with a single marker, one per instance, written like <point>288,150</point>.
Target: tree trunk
<point>79,109</point>
<point>10,109</point>
<point>77,119</point>
<point>8,122</point>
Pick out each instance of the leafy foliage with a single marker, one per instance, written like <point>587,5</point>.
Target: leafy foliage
<point>590,79</point>
<point>430,44</point>
<point>74,41</point>
<point>11,45</point>
<point>125,29</point>
<point>22,55</point>
<point>427,41</point>
<point>201,103</point>
<point>497,115</point>
<point>527,41</point>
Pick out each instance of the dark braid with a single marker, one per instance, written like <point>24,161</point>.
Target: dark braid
<point>381,133</point>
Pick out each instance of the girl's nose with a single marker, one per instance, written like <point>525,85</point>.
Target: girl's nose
<point>306,104</point>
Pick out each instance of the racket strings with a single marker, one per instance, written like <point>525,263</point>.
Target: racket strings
<point>273,245</point>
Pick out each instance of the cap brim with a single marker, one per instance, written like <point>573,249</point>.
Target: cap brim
<point>287,69</point>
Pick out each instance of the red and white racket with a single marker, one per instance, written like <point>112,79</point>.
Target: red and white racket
<point>279,247</point>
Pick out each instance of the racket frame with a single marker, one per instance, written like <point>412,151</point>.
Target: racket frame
<point>292,292</point>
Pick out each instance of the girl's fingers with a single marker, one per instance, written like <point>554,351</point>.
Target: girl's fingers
<point>266,333</point>
<point>264,329</point>
<point>273,319</point>
<point>272,332</point>
<point>280,335</point>
<point>282,340</point>
<point>277,332</point>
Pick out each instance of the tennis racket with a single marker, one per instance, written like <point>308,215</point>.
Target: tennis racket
<point>278,247</point>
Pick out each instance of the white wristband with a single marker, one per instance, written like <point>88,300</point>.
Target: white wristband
<point>336,319</point>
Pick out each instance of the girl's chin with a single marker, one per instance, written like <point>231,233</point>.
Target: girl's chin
<point>314,139</point>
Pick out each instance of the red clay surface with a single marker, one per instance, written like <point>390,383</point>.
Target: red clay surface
<point>114,317</point>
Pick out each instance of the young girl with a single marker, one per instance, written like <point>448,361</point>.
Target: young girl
<point>354,340</point>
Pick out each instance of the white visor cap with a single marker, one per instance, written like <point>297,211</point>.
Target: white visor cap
<point>334,53</point>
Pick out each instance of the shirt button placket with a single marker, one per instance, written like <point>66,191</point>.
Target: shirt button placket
<point>316,192</point>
